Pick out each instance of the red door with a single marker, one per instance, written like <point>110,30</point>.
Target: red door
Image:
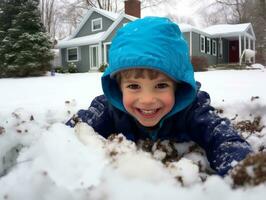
<point>233,51</point>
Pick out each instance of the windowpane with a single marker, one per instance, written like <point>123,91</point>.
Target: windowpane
<point>214,47</point>
<point>73,54</point>
<point>202,44</point>
<point>208,48</point>
<point>96,24</point>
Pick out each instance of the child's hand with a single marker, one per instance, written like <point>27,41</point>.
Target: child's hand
<point>250,171</point>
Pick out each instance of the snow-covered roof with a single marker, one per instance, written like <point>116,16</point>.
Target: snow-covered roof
<point>220,30</point>
<point>80,41</point>
<point>95,38</point>
<point>227,29</point>
<point>111,15</point>
<point>108,14</point>
<point>190,28</point>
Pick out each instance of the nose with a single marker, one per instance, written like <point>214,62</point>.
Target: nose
<point>147,98</point>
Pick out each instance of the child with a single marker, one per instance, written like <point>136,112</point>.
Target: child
<point>150,92</point>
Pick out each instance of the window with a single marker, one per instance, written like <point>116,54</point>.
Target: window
<point>214,47</point>
<point>202,44</point>
<point>96,24</point>
<point>220,48</point>
<point>106,48</point>
<point>94,57</point>
<point>208,46</point>
<point>72,54</point>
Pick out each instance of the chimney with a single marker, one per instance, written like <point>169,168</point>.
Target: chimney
<point>132,7</point>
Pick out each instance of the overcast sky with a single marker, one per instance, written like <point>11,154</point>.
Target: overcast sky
<point>180,8</point>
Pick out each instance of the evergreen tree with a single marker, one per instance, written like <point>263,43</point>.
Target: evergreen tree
<point>25,47</point>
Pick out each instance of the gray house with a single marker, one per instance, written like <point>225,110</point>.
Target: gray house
<point>224,43</point>
<point>88,47</point>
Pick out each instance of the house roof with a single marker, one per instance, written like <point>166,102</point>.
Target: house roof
<point>221,30</point>
<point>80,41</point>
<point>94,38</point>
<point>228,29</point>
<point>190,28</point>
<point>111,15</point>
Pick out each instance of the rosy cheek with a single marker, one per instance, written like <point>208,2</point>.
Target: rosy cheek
<point>169,101</point>
<point>127,102</point>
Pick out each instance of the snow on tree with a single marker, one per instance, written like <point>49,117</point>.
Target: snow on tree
<point>24,43</point>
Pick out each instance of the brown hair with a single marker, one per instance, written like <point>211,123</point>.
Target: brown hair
<point>137,73</point>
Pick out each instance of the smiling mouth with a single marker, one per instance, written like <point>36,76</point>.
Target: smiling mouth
<point>148,113</point>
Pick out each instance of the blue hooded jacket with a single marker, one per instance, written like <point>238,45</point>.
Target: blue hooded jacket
<point>157,43</point>
<point>153,43</point>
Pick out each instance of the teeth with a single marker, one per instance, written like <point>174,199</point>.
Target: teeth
<point>148,111</point>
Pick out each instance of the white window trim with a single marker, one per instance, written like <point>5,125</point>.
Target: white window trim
<point>101,23</point>
<point>214,46</point>
<point>209,42</point>
<point>77,54</point>
<point>202,50</point>
<point>97,57</point>
<point>105,52</point>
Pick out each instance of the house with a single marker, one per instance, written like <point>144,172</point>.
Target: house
<point>88,47</point>
<point>223,43</point>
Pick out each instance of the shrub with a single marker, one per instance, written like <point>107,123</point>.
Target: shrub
<point>2,71</point>
<point>102,67</point>
<point>25,71</point>
<point>260,58</point>
<point>200,63</point>
<point>59,69</point>
<point>72,68</point>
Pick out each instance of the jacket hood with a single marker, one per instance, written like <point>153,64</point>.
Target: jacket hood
<point>152,43</point>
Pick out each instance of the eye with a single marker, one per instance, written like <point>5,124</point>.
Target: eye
<point>162,85</point>
<point>133,86</point>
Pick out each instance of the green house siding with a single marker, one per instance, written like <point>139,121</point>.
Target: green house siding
<point>212,59</point>
<point>86,28</point>
<point>187,38</point>
<point>224,57</point>
<point>63,57</point>
<point>82,63</point>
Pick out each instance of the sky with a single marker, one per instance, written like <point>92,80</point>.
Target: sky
<point>41,158</point>
<point>180,8</point>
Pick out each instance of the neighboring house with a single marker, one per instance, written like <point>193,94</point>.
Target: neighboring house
<point>222,43</point>
<point>88,47</point>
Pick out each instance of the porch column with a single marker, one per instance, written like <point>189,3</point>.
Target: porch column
<point>245,42</point>
<point>239,44</point>
<point>190,44</point>
<point>100,55</point>
<point>254,48</point>
<point>249,42</point>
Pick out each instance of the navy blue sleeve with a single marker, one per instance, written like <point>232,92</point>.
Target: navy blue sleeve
<point>97,116</point>
<point>220,140</point>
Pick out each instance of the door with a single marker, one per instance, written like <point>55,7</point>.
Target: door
<point>94,58</point>
<point>233,51</point>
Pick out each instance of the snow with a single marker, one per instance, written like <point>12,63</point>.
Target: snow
<point>41,158</point>
<point>189,28</point>
<point>220,30</point>
<point>79,41</point>
<point>227,29</point>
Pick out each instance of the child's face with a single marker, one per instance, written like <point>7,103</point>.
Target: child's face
<point>148,100</point>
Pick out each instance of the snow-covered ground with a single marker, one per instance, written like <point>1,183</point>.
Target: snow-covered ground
<point>41,158</point>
